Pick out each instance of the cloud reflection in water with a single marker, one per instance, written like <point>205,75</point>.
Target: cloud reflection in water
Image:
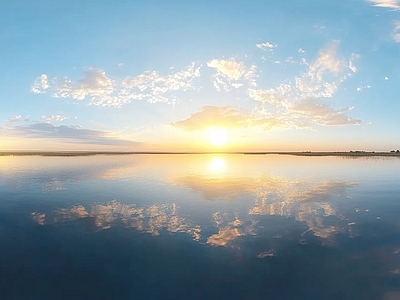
<point>284,214</point>
<point>307,200</point>
<point>151,219</point>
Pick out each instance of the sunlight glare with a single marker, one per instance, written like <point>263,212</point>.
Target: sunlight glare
<point>217,136</point>
<point>217,165</point>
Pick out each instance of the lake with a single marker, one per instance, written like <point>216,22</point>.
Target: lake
<point>199,227</point>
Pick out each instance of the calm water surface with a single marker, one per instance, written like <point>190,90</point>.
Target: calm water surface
<point>199,227</point>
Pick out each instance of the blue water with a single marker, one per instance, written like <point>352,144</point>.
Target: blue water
<point>199,227</point>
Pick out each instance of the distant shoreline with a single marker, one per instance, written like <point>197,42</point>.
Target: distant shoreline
<point>91,153</point>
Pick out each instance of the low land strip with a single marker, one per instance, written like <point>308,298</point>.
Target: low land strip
<point>91,153</point>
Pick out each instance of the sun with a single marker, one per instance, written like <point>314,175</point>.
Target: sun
<point>217,136</point>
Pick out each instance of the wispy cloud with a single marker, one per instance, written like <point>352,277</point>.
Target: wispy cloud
<point>58,118</point>
<point>321,79</point>
<point>95,85</point>
<point>274,96</point>
<point>40,85</point>
<point>231,74</point>
<point>395,4</point>
<point>68,134</point>
<point>396,32</point>
<point>266,46</point>
<point>325,73</point>
<point>14,119</point>
<point>153,87</point>
<point>299,103</point>
<point>102,90</point>
<point>323,114</point>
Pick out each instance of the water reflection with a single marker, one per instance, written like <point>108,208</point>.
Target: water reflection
<point>151,219</point>
<point>217,165</point>
<point>308,200</point>
<point>263,220</point>
<point>60,173</point>
<point>229,230</point>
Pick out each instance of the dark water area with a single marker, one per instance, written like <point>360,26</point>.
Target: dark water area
<point>199,227</point>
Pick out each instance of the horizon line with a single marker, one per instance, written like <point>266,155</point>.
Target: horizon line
<point>298,153</point>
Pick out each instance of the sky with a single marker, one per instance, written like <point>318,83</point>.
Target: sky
<point>312,75</point>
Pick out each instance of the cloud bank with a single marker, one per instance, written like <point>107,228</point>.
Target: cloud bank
<point>68,134</point>
<point>225,117</point>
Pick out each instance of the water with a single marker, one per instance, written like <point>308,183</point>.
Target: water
<point>199,227</point>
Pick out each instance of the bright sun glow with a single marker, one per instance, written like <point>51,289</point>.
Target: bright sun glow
<point>217,136</point>
<point>217,165</point>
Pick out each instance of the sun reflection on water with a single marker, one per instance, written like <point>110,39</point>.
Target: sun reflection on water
<point>217,165</point>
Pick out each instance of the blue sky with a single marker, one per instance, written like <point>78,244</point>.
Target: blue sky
<point>176,75</point>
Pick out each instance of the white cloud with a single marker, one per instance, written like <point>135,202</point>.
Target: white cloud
<point>325,74</point>
<point>396,32</point>
<point>229,68</point>
<point>363,87</point>
<point>326,62</point>
<point>15,118</point>
<point>95,84</point>
<point>322,114</point>
<point>101,90</point>
<point>215,116</point>
<point>395,4</point>
<point>229,72</point>
<point>266,46</point>
<point>351,65</point>
<point>270,95</point>
<point>58,118</point>
<point>40,85</point>
<point>290,60</point>
<point>153,87</point>
<point>297,102</point>
<point>229,117</point>
<point>68,134</point>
